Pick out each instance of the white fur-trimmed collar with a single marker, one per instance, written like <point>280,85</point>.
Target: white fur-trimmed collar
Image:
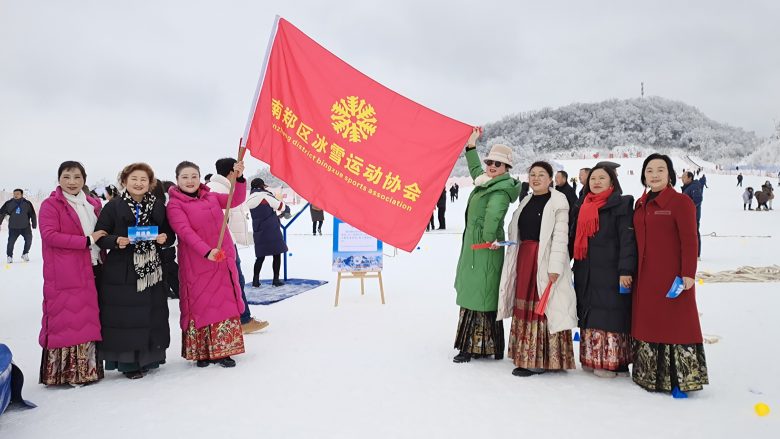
<point>482,180</point>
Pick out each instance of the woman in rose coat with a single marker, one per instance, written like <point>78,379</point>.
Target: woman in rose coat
<point>71,262</point>
<point>210,293</point>
<point>668,351</point>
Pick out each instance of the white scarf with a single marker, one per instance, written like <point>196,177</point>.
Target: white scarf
<point>87,218</point>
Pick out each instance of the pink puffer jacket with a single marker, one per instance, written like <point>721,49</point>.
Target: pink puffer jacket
<point>70,302</point>
<point>209,291</point>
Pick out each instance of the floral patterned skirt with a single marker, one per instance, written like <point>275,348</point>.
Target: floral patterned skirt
<point>71,365</point>
<point>605,350</point>
<point>480,334</point>
<point>531,346</point>
<point>213,342</point>
<point>660,367</point>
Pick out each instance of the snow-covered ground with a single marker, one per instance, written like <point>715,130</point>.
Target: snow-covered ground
<point>365,370</point>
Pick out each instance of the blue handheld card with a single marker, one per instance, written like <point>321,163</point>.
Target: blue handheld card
<point>142,233</point>
<point>676,289</point>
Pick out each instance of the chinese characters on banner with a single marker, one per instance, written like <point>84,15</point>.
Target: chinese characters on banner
<point>348,144</point>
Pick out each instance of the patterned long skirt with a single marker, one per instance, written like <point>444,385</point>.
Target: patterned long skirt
<point>213,342</point>
<point>480,334</point>
<point>70,365</point>
<point>605,350</point>
<point>660,367</point>
<point>531,346</point>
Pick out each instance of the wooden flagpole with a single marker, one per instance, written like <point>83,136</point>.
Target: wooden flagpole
<point>241,152</point>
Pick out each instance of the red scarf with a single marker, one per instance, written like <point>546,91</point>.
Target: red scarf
<point>588,221</point>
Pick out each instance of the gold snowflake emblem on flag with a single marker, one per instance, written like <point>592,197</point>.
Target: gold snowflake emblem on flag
<point>353,118</point>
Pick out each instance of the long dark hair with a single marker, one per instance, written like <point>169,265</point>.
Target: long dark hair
<point>610,170</point>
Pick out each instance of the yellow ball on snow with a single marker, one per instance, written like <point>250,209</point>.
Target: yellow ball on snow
<point>761,409</point>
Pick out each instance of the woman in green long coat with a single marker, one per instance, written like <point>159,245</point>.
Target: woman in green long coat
<point>479,271</point>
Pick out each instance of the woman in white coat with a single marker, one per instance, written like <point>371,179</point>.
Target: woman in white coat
<point>540,226</point>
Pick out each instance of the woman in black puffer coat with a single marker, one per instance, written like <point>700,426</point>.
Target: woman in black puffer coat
<point>132,295</point>
<point>603,244</point>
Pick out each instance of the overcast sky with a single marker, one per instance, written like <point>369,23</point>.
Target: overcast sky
<point>110,82</point>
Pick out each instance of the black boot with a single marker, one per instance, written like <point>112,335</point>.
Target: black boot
<point>227,362</point>
<point>522,372</point>
<point>256,273</point>
<point>462,357</point>
<point>134,375</point>
<point>277,283</point>
<point>203,363</point>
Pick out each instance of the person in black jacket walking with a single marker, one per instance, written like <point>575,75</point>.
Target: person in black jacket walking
<point>604,247</point>
<point>132,295</point>
<point>441,205</point>
<point>21,221</point>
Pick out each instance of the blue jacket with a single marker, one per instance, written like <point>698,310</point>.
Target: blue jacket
<point>694,191</point>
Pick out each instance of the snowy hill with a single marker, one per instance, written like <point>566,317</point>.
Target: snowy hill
<point>364,370</point>
<point>653,123</point>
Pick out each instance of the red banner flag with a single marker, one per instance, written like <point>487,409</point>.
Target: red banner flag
<point>346,143</point>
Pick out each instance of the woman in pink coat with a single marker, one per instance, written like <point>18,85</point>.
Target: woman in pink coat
<point>71,262</point>
<point>210,293</point>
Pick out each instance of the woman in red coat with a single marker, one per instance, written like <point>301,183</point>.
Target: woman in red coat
<point>668,350</point>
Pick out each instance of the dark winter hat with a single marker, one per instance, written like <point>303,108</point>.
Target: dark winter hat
<point>669,167</point>
<point>608,164</point>
<point>257,183</point>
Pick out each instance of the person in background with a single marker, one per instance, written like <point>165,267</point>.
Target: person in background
<point>452,193</point>
<point>668,348</point>
<point>210,296</point>
<point>239,232</point>
<point>603,244</point>
<point>265,210</point>
<point>573,182</point>
<point>111,192</point>
<point>693,189</point>
<point>133,297</point>
<point>317,218</point>
<point>431,225</point>
<point>739,180</point>
<point>167,252</point>
<point>703,181</point>
<point>562,186</point>
<point>584,172</point>
<point>479,333</point>
<point>747,199</point>
<point>441,206</point>
<point>21,222</point>
<point>768,189</point>
<point>70,327</point>
<point>762,199</point>
<point>540,225</point>
<point>207,178</point>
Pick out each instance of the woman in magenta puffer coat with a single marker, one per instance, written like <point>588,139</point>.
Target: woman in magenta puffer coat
<point>210,293</point>
<point>71,262</point>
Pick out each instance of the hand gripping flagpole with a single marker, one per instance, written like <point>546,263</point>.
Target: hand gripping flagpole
<point>220,256</point>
